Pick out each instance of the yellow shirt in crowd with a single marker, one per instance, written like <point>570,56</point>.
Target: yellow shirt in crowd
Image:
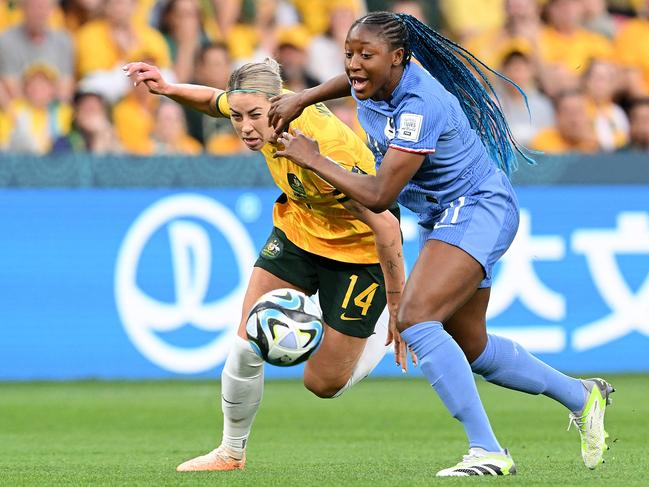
<point>242,41</point>
<point>12,16</point>
<point>632,47</point>
<point>611,124</point>
<point>43,126</point>
<point>224,144</point>
<point>550,141</point>
<point>493,45</point>
<point>96,50</point>
<point>575,51</point>
<point>184,145</point>
<point>134,122</point>
<point>315,13</point>
<point>472,16</point>
<point>5,129</point>
<point>134,125</point>
<point>312,216</point>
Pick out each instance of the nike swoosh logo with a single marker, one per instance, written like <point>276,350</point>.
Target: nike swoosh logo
<point>230,402</point>
<point>347,318</point>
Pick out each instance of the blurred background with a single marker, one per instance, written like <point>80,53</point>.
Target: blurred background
<point>129,224</point>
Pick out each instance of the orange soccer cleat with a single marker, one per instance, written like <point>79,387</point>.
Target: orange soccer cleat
<point>218,459</point>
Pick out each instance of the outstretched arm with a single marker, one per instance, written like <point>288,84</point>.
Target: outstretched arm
<point>287,107</point>
<point>377,193</point>
<point>201,98</point>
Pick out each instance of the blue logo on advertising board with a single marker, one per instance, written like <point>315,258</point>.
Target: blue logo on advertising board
<point>150,283</point>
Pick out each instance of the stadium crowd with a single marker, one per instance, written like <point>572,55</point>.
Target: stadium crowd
<point>583,64</point>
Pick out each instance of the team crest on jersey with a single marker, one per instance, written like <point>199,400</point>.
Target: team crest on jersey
<point>389,128</point>
<point>322,109</point>
<point>296,185</point>
<point>273,248</point>
<point>410,126</point>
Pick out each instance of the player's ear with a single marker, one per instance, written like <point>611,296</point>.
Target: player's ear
<point>397,56</point>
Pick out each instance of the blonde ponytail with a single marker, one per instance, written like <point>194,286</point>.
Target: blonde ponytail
<point>263,77</point>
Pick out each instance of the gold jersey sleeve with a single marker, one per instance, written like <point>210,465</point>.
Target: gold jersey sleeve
<point>310,212</point>
<point>221,107</point>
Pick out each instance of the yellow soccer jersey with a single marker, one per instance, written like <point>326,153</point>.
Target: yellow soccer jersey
<point>311,215</point>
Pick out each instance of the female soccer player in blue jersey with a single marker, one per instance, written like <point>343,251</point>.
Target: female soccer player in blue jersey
<point>443,150</point>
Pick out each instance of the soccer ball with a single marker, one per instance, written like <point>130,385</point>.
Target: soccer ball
<point>284,327</point>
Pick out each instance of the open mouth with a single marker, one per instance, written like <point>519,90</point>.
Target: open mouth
<point>251,141</point>
<point>359,84</point>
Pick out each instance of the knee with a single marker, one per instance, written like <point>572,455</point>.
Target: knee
<point>322,388</point>
<point>407,316</point>
<point>413,309</point>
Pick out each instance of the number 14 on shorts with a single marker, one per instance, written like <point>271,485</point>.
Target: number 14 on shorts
<point>363,299</point>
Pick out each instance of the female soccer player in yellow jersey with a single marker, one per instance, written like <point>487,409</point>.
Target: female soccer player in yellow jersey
<point>321,241</point>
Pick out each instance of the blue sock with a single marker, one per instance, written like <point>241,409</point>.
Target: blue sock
<point>442,362</point>
<point>507,364</point>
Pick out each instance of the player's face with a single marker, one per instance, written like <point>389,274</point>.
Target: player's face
<point>249,116</point>
<point>372,67</point>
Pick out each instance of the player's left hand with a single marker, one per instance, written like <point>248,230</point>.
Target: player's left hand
<point>284,109</point>
<point>298,148</point>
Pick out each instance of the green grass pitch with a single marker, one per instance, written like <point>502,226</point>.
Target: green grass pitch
<point>382,433</point>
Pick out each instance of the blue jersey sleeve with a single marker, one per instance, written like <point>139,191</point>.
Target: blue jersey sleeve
<point>419,124</point>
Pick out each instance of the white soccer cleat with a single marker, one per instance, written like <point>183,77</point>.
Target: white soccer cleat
<point>481,462</point>
<point>590,421</point>
<point>220,459</point>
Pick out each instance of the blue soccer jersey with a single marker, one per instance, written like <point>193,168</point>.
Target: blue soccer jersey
<point>423,118</point>
<point>460,195</point>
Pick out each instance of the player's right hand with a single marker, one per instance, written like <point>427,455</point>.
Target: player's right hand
<point>148,74</point>
<point>400,347</point>
<point>283,110</point>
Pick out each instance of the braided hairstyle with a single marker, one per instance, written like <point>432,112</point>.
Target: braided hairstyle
<point>447,62</point>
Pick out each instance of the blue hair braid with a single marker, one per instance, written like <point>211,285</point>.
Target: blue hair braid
<point>445,60</point>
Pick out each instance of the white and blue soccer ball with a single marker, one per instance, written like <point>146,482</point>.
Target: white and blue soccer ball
<point>285,327</point>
